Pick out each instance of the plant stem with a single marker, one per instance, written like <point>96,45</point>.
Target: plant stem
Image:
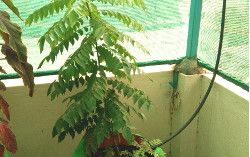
<point>89,10</point>
<point>116,147</point>
<point>98,57</point>
<point>90,15</point>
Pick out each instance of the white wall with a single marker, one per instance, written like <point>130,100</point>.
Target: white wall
<point>221,128</point>
<point>32,119</point>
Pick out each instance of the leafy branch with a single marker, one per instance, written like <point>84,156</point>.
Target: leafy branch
<point>97,109</point>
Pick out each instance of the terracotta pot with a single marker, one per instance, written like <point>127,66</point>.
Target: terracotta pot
<point>121,142</point>
<point>1,151</point>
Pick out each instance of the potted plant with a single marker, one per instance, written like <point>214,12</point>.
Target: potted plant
<point>15,53</point>
<point>96,110</point>
<point>138,147</point>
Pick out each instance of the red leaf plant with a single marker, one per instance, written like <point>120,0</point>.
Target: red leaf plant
<point>15,53</point>
<point>4,107</point>
<point>7,137</point>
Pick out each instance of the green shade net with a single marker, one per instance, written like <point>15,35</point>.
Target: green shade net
<point>235,52</point>
<point>166,30</point>
<point>165,24</point>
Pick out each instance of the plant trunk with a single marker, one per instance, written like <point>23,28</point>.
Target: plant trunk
<point>116,147</point>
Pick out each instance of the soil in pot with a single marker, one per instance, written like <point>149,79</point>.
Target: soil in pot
<point>122,148</point>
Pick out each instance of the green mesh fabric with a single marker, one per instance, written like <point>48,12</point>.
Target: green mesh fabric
<point>165,24</point>
<point>235,51</point>
<point>166,28</point>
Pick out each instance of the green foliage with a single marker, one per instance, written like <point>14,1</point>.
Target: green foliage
<point>49,9</point>
<point>97,108</point>
<point>125,19</point>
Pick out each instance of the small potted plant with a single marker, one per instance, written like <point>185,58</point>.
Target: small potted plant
<point>96,111</point>
<point>15,53</point>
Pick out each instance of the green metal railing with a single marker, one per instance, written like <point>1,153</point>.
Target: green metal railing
<point>194,28</point>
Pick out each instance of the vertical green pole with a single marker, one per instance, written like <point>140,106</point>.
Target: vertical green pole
<point>194,28</point>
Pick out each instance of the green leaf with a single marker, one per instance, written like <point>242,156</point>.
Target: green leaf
<point>58,30</point>
<point>99,32</point>
<point>81,80</point>
<point>54,36</point>
<point>125,19</point>
<point>127,70</point>
<point>54,132</point>
<point>91,104</point>
<point>141,115</point>
<point>58,88</point>
<point>48,39</point>
<point>80,62</point>
<point>77,83</point>
<point>35,16</point>
<point>73,18</point>
<point>135,97</point>
<point>72,133</point>
<point>41,43</point>
<point>141,101</point>
<point>107,40</point>
<point>148,103</point>
<point>71,84</point>
<point>49,8</point>
<point>62,26</point>
<point>100,137</point>
<point>127,134</point>
<point>68,117</point>
<point>130,93</point>
<point>60,123</point>
<point>114,83</point>
<point>131,127</point>
<point>61,136</point>
<point>100,84</point>
<point>53,95</point>
<point>69,73</point>
<point>120,87</point>
<point>99,91</point>
<point>98,96</point>
<point>126,90</point>
<point>93,144</point>
<point>49,89</point>
<point>83,10</point>
<point>140,4</point>
<point>118,123</point>
<point>109,82</point>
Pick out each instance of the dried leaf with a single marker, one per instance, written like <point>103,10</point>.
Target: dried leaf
<point>2,86</point>
<point>8,138</point>
<point>4,107</point>
<point>2,70</point>
<point>11,34</point>
<point>24,69</point>
<point>12,7</point>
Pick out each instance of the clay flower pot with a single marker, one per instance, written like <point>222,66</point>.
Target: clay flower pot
<point>122,145</point>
